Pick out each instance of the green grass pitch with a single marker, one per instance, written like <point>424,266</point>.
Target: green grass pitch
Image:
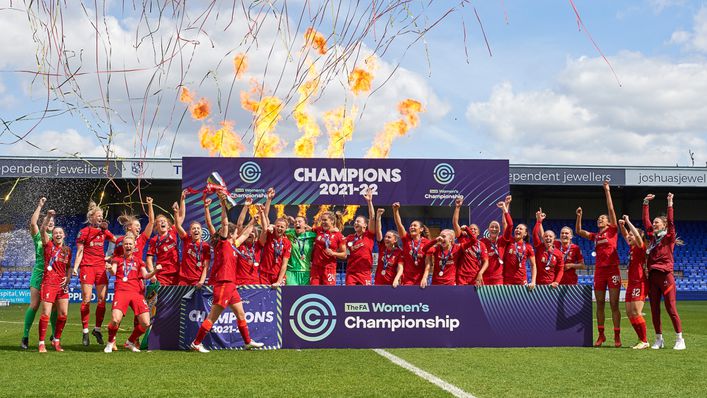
<point>527,372</point>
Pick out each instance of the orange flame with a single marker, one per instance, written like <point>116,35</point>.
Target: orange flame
<point>316,40</point>
<point>240,64</point>
<point>253,210</point>
<point>267,115</point>
<point>280,211</point>
<point>186,96</point>
<point>340,127</point>
<point>306,123</point>
<point>201,109</point>
<point>223,140</point>
<point>360,81</point>
<point>302,211</point>
<point>409,110</point>
<point>349,213</point>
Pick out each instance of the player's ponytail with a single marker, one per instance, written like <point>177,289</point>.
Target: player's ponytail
<point>126,220</point>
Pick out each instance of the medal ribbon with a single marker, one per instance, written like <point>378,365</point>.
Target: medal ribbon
<point>520,251</point>
<point>444,258</point>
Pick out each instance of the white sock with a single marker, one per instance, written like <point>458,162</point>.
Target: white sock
<point>679,335</point>
<point>85,330</point>
<point>97,329</point>
<point>659,336</point>
<point>41,343</point>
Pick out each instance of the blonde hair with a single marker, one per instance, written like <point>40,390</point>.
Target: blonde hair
<point>92,209</point>
<point>336,217</point>
<point>126,220</point>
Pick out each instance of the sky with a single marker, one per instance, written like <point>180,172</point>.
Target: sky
<point>625,89</point>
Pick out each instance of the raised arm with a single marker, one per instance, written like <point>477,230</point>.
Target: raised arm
<point>538,230</point>
<point>180,215</point>
<point>455,216</point>
<point>150,218</point>
<point>670,216</point>
<point>371,211</point>
<point>207,217</point>
<point>622,228</point>
<point>578,225</point>
<point>398,222</point>
<point>33,227</point>
<point>634,231</point>
<point>646,214</point>
<point>379,227</point>
<point>609,204</point>
<point>246,231</point>
<point>507,222</point>
<point>507,201</point>
<point>244,211</point>
<point>43,230</point>
<point>224,216</point>
<point>265,220</point>
<point>268,199</point>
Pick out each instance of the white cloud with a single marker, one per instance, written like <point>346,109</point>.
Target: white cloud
<point>654,118</point>
<point>695,40</point>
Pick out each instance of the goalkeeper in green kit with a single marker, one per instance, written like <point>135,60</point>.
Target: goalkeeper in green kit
<point>302,239</point>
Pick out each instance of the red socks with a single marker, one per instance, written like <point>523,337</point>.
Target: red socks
<point>43,323</point>
<point>639,325</point>
<point>59,328</point>
<point>100,313</point>
<point>112,331</point>
<point>85,311</point>
<point>600,328</point>
<point>137,332</point>
<point>617,333</point>
<point>203,331</point>
<point>243,328</point>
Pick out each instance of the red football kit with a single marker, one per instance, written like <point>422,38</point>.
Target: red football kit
<point>606,271</point>
<point>276,249</point>
<point>248,256</point>
<point>571,254</point>
<point>388,261</point>
<point>444,261</point>
<point>223,274</point>
<point>413,259</point>
<point>516,254</point>
<point>471,260</point>
<point>93,264</point>
<point>637,282</point>
<point>129,285</point>
<point>495,250</point>
<point>323,271</point>
<point>195,256</point>
<point>164,249</point>
<point>549,263</point>
<point>56,262</point>
<point>359,262</point>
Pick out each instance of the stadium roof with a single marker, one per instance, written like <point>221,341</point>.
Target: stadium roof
<point>520,174</point>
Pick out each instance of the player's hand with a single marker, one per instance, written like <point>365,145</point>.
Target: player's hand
<point>479,280</point>
<point>670,196</point>
<point>271,193</point>
<point>248,201</point>
<point>199,285</point>
<point>368,195</point>
<point>439,240</point>
<point>64,282</point>
<point>75,272</point>
<point>649,197</point>
<point>103,225</point>
<point>153,279</point>
<point>379,212</point>
<point>290,220</point>
<point>207,202</point>
<point>51,213</point>
<point>271,228</point>
<point>423,283</point>
<point>175,206</point>
<point>539,215</point>
<point>158,267</point>
<point>329,252</point>
<point>605,184</point>
<point>579,211</point>
<point>396,283</point>
<point>459,201</point>
<point>42,201</point>
<point>396,206</point>
<point>531,286</point>
<point>149,200</point>
<point>554,285</point>
<point>622,222</point>
<point>221,196</point>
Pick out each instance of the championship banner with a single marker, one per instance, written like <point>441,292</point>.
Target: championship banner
<point>179,309</point>
<point>438,316</point>
<point>262,310</point>
<point>420,182</point>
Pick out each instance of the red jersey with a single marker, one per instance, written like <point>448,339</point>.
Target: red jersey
<point>472,257</point>
<point>517,253</point>
<point>164,249</point>
<point>360,259</point>
<point>571,254</point>
<point>550,265</point>
<point>413,258</point>
<point>388,261</point>
<point>195,256</point>
<point>224,268</point>
<point>605,244</point>
<point>324,240</point>
<point>274,252</point>
<point>636,260</point>
<point>140,244</point>
<point>660,248</point>
<point>248,257</point>
<point>56,262</point>
<point>128,274</point>
<point>445,261</point>
<point>93,239</point>
<point>495,252</point>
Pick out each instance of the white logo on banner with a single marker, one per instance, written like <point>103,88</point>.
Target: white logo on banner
<point>444,173</point>
<point>312,317</point>
<point>249,172</point>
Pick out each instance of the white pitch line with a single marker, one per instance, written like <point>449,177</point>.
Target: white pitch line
<point>450,388</point>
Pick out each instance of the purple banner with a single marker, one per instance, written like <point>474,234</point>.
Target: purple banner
<point>439,316</point>
<point>420,182</point>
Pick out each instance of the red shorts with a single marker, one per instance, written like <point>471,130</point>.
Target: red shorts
<point>410,280</point>
<point>51,293</point>
<point>93,275</point>
<point>122,299</point>
<point>359,278</point>
<point>514,281</point>
<point>636,290</point>
<point>187,282</point>
<point>466,280</point>
<point>493,281</point>
<point>168,279</point>
<point>267,279</point>
<point>325,276</point>
<point>226,294</point>
<point>607,277</point>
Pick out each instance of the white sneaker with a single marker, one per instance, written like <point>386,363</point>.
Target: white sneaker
<point>130,346</point>
<point>109,347</point>
<point>253,344</point>
<point>198,347</point>
<point>679,344</point>
<point>641,345</point>
<point>658,344</point>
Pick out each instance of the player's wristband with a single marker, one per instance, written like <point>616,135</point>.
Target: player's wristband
<point>645,202</point>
